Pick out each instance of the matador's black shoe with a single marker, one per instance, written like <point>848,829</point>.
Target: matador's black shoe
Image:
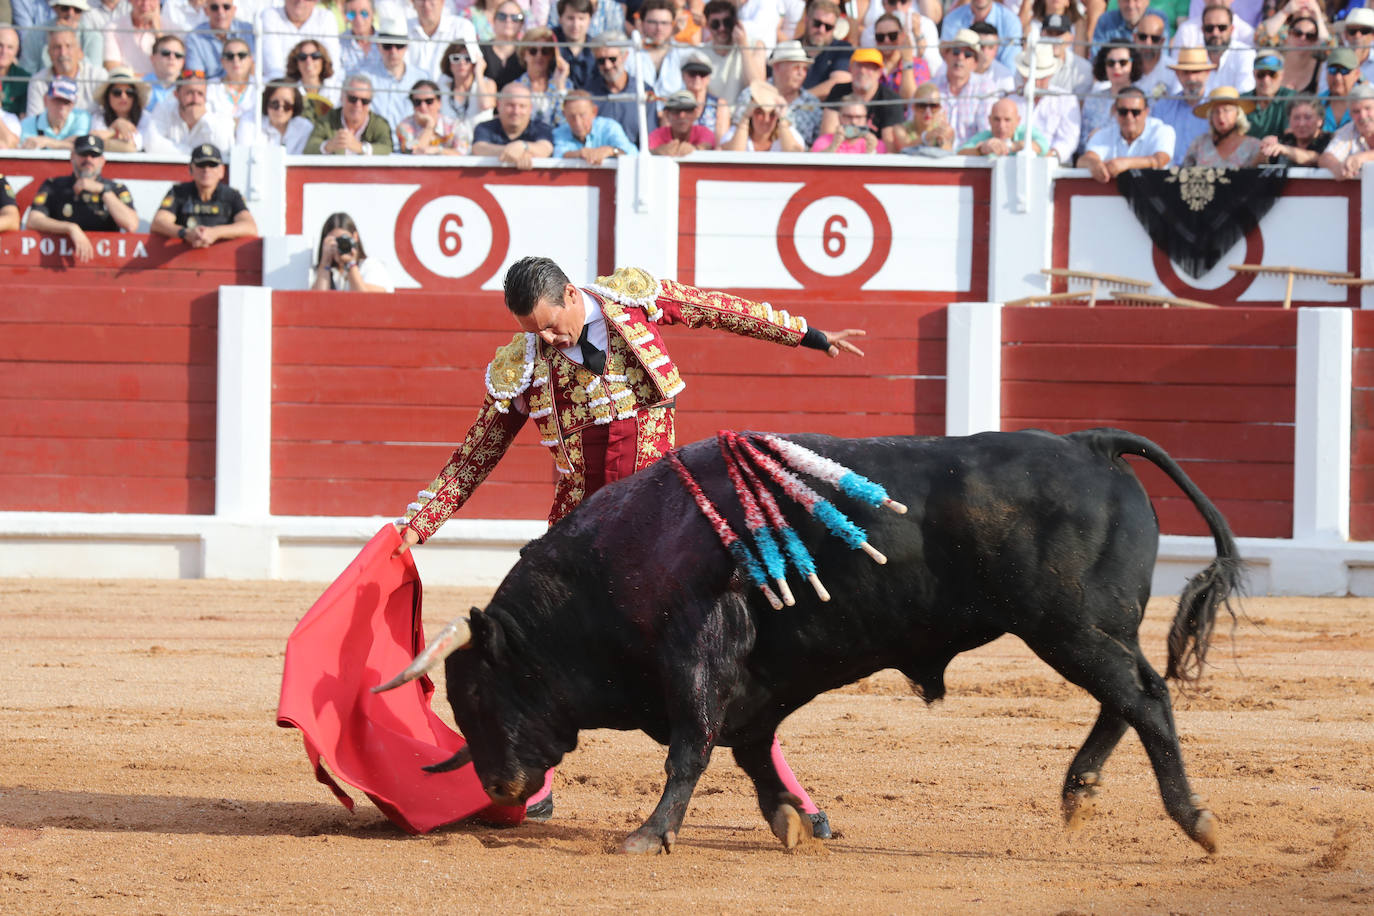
<point>820,825</point>
<point>542,810</point>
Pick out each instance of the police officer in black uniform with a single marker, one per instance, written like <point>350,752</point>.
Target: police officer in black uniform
<point>9,207</point>
<point>204,210</point>
<point>83,201</point>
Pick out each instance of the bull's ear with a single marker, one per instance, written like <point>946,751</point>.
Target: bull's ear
<point>487,635</point>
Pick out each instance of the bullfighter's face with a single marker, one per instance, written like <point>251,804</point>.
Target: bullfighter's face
<point>557,324</point>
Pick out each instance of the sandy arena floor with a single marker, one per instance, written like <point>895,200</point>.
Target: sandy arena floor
<point>141,772</point>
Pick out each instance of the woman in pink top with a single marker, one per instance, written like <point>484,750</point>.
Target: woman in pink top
<point>853,135</point>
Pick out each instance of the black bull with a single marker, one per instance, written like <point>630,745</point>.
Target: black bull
<point>630,615</point>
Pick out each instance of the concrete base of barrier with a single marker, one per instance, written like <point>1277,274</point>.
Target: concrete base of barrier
<point>478,552</point>
<point>467,552</point>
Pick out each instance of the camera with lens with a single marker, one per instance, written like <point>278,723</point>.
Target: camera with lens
<point>343,245</point>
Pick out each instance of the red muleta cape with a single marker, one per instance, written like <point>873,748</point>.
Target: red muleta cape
<point>361,631</point>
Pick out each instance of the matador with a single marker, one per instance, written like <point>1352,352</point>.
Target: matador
<point>591,369</point>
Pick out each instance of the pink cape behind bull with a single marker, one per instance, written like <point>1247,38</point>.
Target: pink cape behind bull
<point>361,631</point>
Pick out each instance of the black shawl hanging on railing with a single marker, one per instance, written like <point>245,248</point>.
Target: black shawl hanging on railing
<point>1196,214</point>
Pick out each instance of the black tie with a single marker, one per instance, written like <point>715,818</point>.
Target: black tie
<point>593,357</point>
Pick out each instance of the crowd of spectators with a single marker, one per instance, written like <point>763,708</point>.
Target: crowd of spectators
<point>1115,85</point>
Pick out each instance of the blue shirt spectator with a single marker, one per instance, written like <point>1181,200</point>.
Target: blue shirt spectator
<point>1008,26</point>
<point>1113,25</point>
<point>29,17</point>
<point>1178,114</point>
<point>78,124</point>
<point>205,43</point>
<point>604,132</point>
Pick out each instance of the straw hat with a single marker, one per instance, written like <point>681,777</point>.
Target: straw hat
<point>1223,95</point>
<point>765,95</point>
<point>1046,63</point>
<point>789,52</point>
<point>123,76</point>
<point>1193,59</point>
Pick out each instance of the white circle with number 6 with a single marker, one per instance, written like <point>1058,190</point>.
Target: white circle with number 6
<point>834,236</point>
<point>451,236</point>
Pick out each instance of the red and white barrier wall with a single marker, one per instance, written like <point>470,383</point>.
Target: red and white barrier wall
<point>164,412</point>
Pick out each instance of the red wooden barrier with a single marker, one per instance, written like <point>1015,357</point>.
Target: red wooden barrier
<point>1362,430</point>
<point>107,400</point>
<point>370,396</point>
<point>1215,389</point>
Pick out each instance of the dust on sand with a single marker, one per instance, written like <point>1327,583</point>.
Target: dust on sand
<point>141,772</point>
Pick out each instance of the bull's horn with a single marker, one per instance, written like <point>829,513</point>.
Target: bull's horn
<point>460,759</point>
<point>457,635</point>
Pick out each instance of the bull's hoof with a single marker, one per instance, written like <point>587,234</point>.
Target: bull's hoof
<point>789,827</point>
<point>1080,804</point>
<point>642,842</point>
<point>1204,831</point>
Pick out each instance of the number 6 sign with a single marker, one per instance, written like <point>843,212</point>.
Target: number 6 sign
<point>823,235</point>
<point>453,237</point>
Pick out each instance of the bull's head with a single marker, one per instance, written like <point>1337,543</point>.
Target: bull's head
<point>508,742</point>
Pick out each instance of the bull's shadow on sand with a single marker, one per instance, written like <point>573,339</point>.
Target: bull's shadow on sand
<point>22,808</point>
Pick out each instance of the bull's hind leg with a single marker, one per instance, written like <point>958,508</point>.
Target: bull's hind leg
<point>1085,773</point>
<point>781,809</point>
<point>1115,672</point>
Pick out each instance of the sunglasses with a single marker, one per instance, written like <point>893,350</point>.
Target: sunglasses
<point>1337,70</point>
<point>721,22</point>
<point>204,165</point>
<point>962,52</point>
<point>1358,30</point>
<point>542,52</point>
<point>886,36</point>
<point>822,26</point>
<point>1129,112</point>
<point>236,55</point>
<point>1216,29</point>
<point>928,106</point>
<point>219,7</point>
<point>279,105</point>
<point>393,46</point>
<point>1145,38</point>
<point>510,17</point>
<point>122,92</point>
<point>609,61</point>
<point>357,14</point>
<point>1118,62</point>
<point>193,75</point>
<point>165,52</point>
<point>309,55</point>
<point>432,100</point>
<point>89,155</point>
<point>357,100</point>
<point>1266,74</point>
<point>1303,36</point>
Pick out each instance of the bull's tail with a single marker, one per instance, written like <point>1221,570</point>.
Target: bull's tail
<point>1212,588</point>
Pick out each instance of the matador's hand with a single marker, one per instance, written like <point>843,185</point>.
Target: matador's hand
<point>838,341</point>
<point>409,538</point>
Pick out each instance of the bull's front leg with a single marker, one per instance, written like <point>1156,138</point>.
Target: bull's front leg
<point>689,750</point>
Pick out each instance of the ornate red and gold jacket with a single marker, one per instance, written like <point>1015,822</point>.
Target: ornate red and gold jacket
<point>581,416</point>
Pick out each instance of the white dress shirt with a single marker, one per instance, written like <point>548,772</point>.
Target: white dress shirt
<point>298,132</point>
<point>424,51</point>
<point>277,36</point>
<point>1157,137</point>
<point>1058,117</point>
<point>166,134</point>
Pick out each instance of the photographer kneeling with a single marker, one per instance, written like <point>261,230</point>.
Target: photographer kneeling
<point>343,264</point>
